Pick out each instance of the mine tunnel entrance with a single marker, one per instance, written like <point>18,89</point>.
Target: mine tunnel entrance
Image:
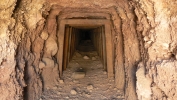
<point>85,35</point>
<point>84,40</point>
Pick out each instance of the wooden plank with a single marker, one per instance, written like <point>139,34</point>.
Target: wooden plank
<point>74,42</point>
<point>71,52</point>
<point>60,50</point>
<point>101,44</point>
<point>69,45</point>
<point>104,48</point>
<point>109,50</point>
<point>66,44</point>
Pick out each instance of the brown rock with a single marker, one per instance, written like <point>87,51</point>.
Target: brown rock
<point>48,62</point>
<point>78,75</point>
<point>73,92</point>
<point>41,65</point>
<point>44,35</point>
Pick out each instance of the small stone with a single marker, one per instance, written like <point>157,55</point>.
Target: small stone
<point>47,88</point>
<point>89,87</point>
<point>164,98</point>
<point>44,35</point>
<point>146,38</point>
<point>118,91</point>
<point>86,57</point>
<point>104,72</point>
<point>51,47</point>
<point>115,88</point>
<point>54,88</point>
<point>48,62</point>
<point>73,92</point>
<point>67,97</point>
<point>122,96</point>
<point>78,54</point>
<point>93,58</point>
<point>61,81</point>
<point>58,93</point>
<point>78,75</point>
<point>75,81</point>
<point>159,59</point>
<point>87,95</point>
<point>149,42</point>
<point>41,65</point>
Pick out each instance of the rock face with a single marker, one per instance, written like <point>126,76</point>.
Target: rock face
<point>158,31</point>
<point>165,81</point>
<point>144,29</point>
<point>143,83</point>
<point>10,87</point>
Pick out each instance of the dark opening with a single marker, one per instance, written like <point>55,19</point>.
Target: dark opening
<point>85,42</point>
<point>85,34</point>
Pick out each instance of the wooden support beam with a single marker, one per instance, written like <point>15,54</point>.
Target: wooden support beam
<point>104,48</point>
<point>69,46</point>
<point>87,22</point>
<point>66,45</point>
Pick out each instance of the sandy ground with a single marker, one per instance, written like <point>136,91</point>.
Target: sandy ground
<point>94,86</point>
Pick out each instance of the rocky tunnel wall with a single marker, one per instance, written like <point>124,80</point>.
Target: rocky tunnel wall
<point>145,29</point>
<point>155,23</point>
<point>36,39</point>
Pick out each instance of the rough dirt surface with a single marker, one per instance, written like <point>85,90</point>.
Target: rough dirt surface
<point>94,86</point>
<point>143,35</point>
<point>157,24</point>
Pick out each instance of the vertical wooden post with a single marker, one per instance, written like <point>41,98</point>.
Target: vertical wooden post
<point>104,48</point>
<point>101,47</point>
<point>66,45</point>
<point>69,45</point>
<point>109,50</point>
<point>60,50</point>
<point>99,42</point>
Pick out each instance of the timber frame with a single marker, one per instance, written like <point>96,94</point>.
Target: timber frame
<point>86,22</point>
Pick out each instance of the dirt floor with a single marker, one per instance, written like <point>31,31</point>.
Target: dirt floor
<point>94,86</point>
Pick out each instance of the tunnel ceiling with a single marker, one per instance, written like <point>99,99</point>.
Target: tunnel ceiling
<point>85,26</point>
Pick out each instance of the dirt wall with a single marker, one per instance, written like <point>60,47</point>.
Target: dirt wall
<point>156,21</point>
<point>144,42</point>
<point>9,86</point>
